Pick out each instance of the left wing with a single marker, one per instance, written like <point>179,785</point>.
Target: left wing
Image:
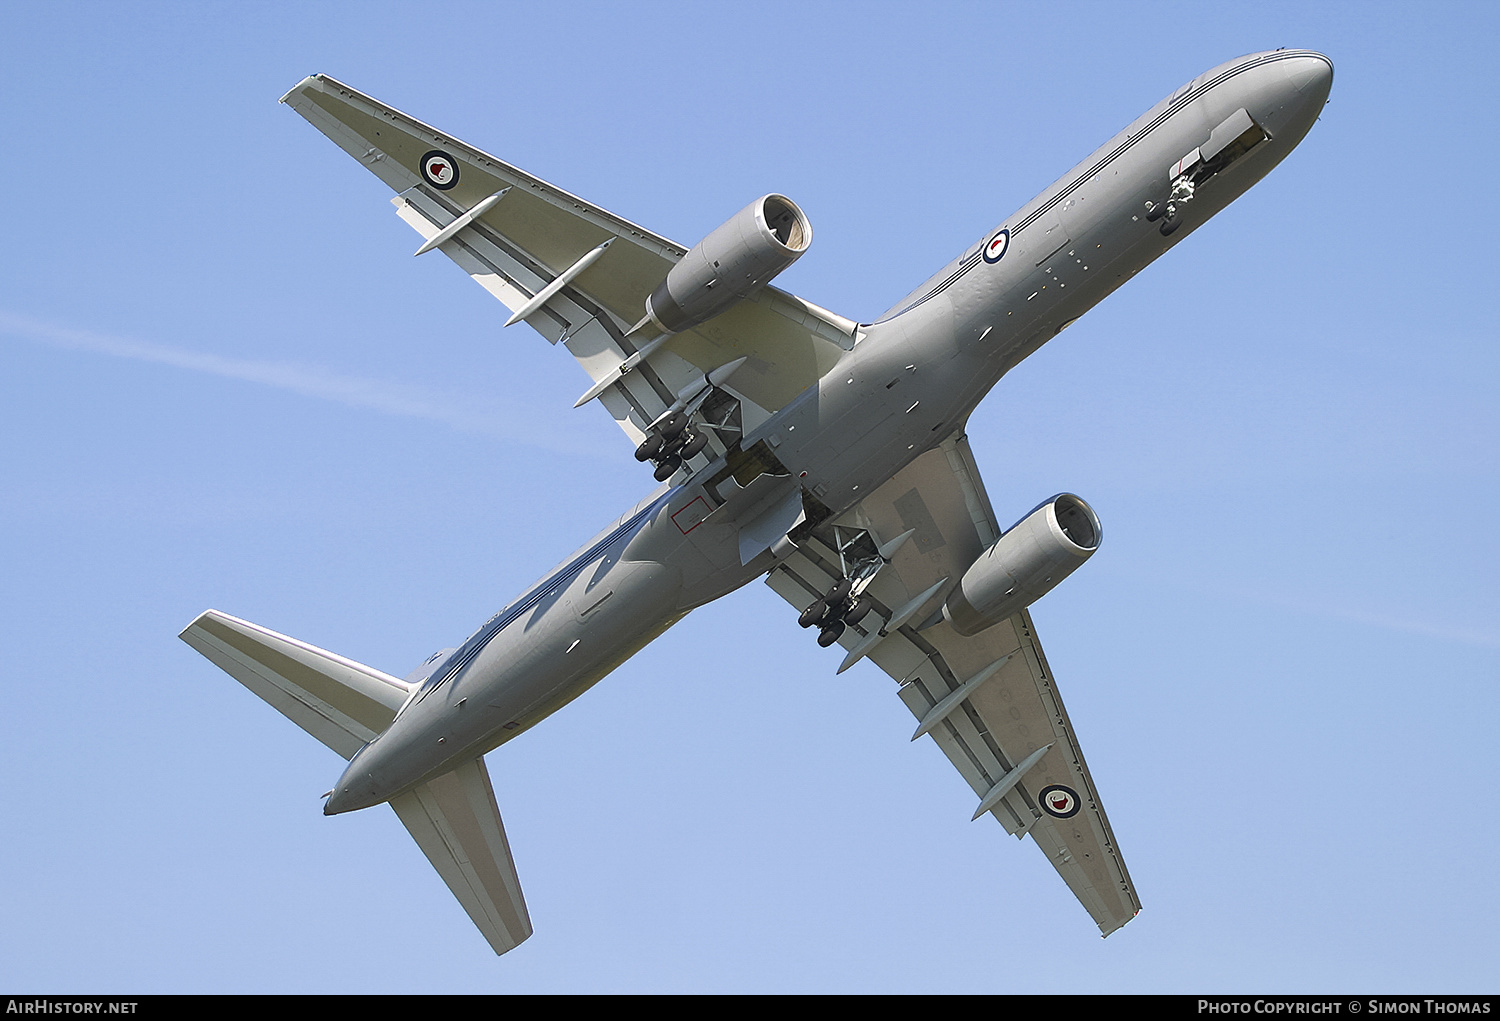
<point>541,252</point>
<point>988,701</point>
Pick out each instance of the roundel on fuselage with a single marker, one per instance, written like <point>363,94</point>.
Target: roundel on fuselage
<point>996,246</point>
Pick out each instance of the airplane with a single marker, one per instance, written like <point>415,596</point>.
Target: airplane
<point>825,455</point>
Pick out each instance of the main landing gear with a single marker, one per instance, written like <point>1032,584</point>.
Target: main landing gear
<point>861,556</point>
<point>671,444</point>
<point>835,611</point>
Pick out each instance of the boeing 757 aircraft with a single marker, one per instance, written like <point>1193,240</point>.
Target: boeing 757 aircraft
<point>824,455</point>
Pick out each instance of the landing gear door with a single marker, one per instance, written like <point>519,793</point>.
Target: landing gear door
<point>1236,135</point>
<point>1237,130</point>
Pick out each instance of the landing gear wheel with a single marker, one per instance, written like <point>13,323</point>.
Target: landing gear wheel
<point>1157,212</point>
<point>649,448</point>
<point>814,614</point>
<point>830,633</point>
<point>667,468</point>
<point>1169,225</point>
<point>857,612</point>
<point>695,443</point>
<point>840,590</point>
<point>674,425</point>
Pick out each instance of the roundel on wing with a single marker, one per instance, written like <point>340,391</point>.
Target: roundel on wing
<point>1059,801</point>
<point>995,247</point>
<point>439,170</point>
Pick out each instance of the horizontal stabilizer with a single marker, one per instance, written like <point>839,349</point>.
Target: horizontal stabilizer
<point>455,821</point>
<point>340,702</point>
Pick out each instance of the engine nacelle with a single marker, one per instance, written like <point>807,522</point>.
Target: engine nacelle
<point>1024,564</point>
<point>743,253</point>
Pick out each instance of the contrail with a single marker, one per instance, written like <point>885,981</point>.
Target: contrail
<point>1486,638</point>
<point>309,380</point>
<point>1337,608</point>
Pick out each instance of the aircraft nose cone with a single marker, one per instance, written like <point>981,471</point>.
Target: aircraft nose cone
<point>1310,74</point>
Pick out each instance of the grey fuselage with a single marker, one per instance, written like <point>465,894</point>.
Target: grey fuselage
<point>910,381</point>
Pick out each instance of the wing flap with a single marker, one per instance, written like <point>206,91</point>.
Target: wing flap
<point>342,703</point>
<point>456,822</point>
<point>591,332</point>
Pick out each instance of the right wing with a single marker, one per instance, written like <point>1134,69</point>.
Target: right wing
<point>531,236</point>
<point>988,700</point>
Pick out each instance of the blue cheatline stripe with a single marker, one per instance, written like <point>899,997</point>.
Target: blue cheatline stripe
<point>467,652</point>
<point>1109,158</point>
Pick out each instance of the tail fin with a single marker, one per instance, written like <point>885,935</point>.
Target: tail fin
<point>346,705</point>
<point>340,702</point>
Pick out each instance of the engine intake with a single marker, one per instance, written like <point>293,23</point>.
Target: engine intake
<point>1024,564</point>
<point>740,255</point>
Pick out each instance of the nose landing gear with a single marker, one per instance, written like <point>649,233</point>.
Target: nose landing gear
<point>1170,211</point>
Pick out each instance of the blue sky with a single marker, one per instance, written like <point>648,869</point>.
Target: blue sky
<point>225,382</point>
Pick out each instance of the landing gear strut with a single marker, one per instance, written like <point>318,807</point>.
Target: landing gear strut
<point>846,603</point>
<point>1170,211</point>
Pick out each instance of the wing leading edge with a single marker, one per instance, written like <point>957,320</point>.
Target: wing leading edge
<point>988,701</point>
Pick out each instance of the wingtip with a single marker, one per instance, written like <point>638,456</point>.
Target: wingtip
<point>299,87</point>
<point>183,634</point>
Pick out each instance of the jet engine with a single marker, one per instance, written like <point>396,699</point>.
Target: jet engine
<point>1024,564</point>
<point>743,253</point>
